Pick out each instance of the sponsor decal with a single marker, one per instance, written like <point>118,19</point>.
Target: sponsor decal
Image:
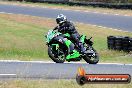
<point>83,78</point>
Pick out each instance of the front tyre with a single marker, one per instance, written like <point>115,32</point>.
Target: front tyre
<point>92,57</point>
<point>57,56</point>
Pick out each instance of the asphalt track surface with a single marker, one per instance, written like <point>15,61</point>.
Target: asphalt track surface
<point>48,70</point>
<point>113,21</point>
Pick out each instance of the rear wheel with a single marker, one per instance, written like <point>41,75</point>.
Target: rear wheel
<point>92,57</point>
<point>57,56</point>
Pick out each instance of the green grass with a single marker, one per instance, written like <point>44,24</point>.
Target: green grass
<point>21,40</point>
<point>56,84</point>
<point>24,40</point>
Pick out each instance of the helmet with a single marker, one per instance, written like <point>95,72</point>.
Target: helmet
<point>61,19</point>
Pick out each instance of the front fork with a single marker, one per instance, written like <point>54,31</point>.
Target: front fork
<point>90,50</point>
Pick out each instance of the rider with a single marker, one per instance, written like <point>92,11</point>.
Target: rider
<point>65,26</point>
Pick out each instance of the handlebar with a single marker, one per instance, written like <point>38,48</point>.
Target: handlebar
<point>90,38</point>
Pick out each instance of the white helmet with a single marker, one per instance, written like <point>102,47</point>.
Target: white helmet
<point>61,19</point>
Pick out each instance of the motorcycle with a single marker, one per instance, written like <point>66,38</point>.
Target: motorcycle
<point>60,47</point>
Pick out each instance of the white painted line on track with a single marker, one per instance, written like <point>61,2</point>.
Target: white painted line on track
<point>9,60</point>
<point>22,14</point>
<point>7,74</point>
<point>117,14</point>
<point>62,63</point>
<point>112,63</point>
<point>103,27</point>
<point>26,61</point>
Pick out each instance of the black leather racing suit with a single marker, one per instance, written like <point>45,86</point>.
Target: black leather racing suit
<point>68,27</point>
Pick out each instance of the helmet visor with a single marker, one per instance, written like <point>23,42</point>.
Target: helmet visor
<point>59,20</point>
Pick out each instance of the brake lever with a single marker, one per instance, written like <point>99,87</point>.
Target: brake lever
<point>90,38</point>
<point>45,36</point>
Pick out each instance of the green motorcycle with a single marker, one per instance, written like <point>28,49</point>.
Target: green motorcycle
<point>61,48</point>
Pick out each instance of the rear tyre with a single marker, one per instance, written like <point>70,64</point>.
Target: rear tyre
<point>56,57</point>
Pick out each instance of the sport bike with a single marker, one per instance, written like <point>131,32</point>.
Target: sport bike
<point>62,48</point>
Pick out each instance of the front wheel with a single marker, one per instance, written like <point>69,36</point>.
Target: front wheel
<point>92,57</point>
<point>57,56</point>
